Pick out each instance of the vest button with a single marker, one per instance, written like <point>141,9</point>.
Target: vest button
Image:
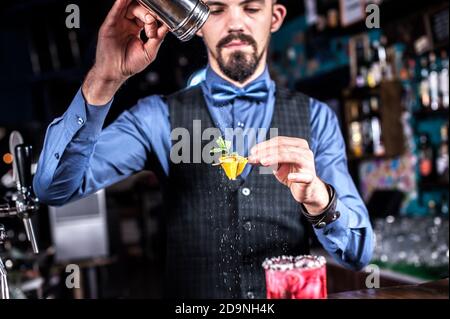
<point>246,191</point>
<point>250,295</point>
<point>248,226</point>
<point>321,225</point>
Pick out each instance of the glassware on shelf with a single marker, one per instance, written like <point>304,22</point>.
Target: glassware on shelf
<point>414,241</point>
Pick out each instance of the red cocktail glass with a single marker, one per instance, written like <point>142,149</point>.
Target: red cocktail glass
<point>302,277</point>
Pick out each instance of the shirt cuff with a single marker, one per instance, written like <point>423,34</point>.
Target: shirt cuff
<point>336,233</point>
<point>84,119</point>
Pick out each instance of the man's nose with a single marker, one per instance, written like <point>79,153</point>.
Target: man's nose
<point>235,20</point>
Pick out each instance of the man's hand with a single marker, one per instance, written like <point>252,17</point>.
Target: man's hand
<point>296,170</point>
<point>120,51</point>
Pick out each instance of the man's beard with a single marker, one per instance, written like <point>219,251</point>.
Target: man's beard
<point>240,66</point>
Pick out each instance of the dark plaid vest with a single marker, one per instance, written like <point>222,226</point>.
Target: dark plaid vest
<point>220,231</point>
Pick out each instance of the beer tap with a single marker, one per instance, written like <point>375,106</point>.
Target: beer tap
<point>22,204</point>
<point>4,289</point>
<point>25,202</point>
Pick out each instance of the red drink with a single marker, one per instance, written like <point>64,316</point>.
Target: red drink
<point>302,277</point>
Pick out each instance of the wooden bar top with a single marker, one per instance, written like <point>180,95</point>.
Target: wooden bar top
<point>431,290</point>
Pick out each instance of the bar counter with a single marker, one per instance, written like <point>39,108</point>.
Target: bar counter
<point>430,290</point>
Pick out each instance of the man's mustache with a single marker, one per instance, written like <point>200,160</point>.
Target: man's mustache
<point>240,37</point>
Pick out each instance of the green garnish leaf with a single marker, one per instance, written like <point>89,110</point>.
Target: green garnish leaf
<point>224,147</point>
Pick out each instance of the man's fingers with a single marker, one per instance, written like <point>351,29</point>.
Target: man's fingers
<point>281,141</point>
<point>303,178</point>
<point>297,158</point>
<point>151,30</point>
<point>152,45</point>
<point>285,154</point>
<point>117,11</point>
<point>282,149</point>
<point>285,158</point>
<point>139,23</point>
<point>162,31</point>
<point>135,10</point>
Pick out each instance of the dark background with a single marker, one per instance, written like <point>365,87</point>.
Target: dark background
<point>33,32</point>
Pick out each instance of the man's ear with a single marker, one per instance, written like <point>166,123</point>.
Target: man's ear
<point>278,16</point>
<point>200,33</point>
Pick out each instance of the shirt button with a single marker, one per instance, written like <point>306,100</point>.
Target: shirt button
<point>80,121</point>
<point>246,191</point>
<point>57,156</point>
<point>250,295</point>
<point>248,226</point>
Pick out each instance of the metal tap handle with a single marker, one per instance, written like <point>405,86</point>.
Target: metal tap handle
<point>30,234</point>
<point>23,161</point>
<point>2,234</point>
<point>4,289</point>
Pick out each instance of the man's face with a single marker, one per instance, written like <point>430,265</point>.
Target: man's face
<point>237,34</point>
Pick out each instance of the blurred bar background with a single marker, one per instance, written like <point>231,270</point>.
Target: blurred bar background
<point>389,87</point>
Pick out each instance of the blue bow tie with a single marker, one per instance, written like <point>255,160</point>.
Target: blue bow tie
<point>223,94</point>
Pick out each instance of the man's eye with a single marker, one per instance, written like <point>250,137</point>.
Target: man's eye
<point>252,10</point>
<point>216,11</point>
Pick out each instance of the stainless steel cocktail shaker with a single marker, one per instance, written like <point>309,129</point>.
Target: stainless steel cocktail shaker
<point>183,17</point>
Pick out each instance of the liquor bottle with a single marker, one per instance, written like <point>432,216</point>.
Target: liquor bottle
<point>356,143</point>
<point>353,105</point>
<point>432,210</point>
<point>366,127</point>
<point>366,109</point>
<point>424,87</point>
<point>433,82</point>
<point>411,69</point>
<point>444,205</point>
<point>426,162</point>
<point>375,105</point>
<point>321,18</point>
<point>443,81</point>
<point>378,146</point>
<point>333,18</point>
<point>386,67</point>
<point>374,75</point>
<point>361,64</point>
<point>367,133</point>
<point>442,165</point>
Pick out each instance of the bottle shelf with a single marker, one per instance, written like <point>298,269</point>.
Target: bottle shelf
<point>361,92</point>
<point>368,157</point>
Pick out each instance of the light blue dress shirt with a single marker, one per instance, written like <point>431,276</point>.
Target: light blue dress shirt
<point>79,158</point>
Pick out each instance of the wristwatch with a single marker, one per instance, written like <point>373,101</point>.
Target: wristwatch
<point>329,214</point>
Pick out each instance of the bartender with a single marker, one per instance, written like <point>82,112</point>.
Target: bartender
<point>218,231</point>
